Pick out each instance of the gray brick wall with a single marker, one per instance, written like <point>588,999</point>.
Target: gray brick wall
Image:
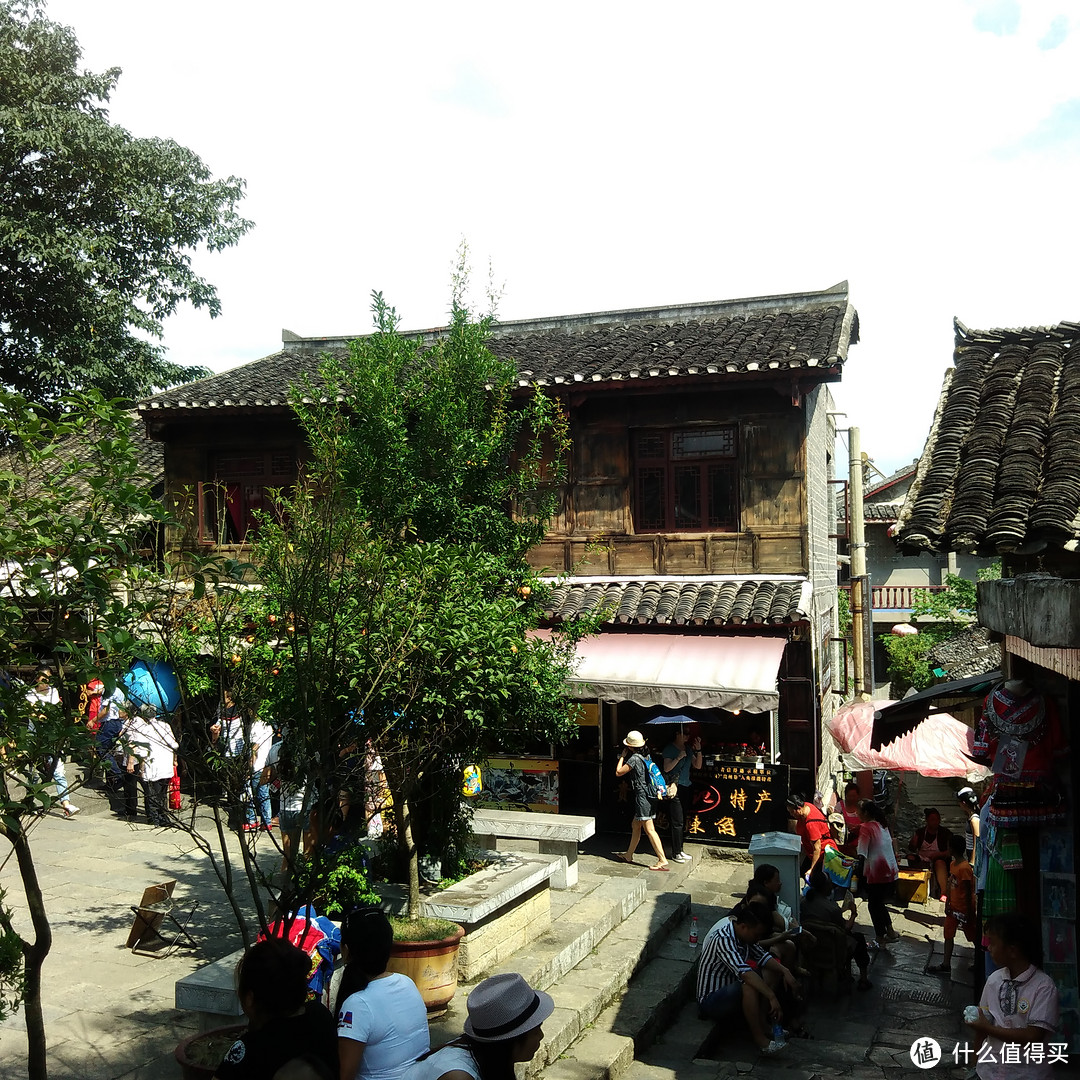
<point>821,467</point>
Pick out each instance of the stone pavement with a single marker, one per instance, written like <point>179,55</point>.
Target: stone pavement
<point>858,1035</point>
<point>110,1014</point>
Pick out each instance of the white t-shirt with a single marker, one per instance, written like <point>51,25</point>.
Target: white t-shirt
<point>390,1019</point>
<point>448,1059</point>
<point>1030,1001</point>
<point>35,697</point>
<point>153,743</point>
<point>262,736</point>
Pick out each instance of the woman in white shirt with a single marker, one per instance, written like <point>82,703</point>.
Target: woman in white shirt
<point>153,749</point>
<point>381,1017</point>
<point>261,738</point>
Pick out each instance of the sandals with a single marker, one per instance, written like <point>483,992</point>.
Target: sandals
<point>660,866</point>
<point>623,857</point>
<point>939,969</point>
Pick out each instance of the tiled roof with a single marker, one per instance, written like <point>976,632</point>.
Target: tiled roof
<point>1001,468</point>
<point>149,456</point>
<point>807,333</point>
<point>261,384</point>
<point>892,478</point>
<point>970,652</point>
<point>874,512</point>
<point>705,601</point>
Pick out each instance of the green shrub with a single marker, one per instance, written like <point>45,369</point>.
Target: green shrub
<point>339,884</point>
<point>907,662</point>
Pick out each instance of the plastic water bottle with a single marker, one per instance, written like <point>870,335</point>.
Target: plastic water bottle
<point>778,1032</point>
<point>693,932</point>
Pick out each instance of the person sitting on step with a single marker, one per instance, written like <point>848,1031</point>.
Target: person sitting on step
<point>737,976</point>
<point>928,849</point>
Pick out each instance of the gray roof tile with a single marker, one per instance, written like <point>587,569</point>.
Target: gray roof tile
<point>764,337</point>
<point>679,602</point>
<point>1001,468</point>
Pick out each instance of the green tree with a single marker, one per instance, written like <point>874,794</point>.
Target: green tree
<point>74,511</point>
<point>97,227</point>
<point>400,563</point>
<point>940,615</point>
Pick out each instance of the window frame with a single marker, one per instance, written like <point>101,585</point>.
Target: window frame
<point>666,467</point>
<point>269,475</point>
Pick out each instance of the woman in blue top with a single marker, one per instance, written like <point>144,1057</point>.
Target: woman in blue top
<point>677,764</point>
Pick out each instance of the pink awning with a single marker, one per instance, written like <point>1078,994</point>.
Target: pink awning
<point>679,670</point>
<point>940,746</point>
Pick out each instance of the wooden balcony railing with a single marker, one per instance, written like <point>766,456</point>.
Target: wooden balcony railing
<point>896,597</point>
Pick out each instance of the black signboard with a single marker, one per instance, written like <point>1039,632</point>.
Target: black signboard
<point>733,800</point>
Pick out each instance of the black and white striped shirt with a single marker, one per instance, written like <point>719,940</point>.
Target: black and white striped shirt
<point>724,958</point>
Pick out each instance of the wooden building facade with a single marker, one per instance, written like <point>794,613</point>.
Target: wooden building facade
<point>697,504</point>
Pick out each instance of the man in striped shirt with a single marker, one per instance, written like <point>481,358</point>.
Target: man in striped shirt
<point>736,973</point>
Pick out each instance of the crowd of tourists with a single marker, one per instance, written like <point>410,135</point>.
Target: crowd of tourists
<point>135,748</point>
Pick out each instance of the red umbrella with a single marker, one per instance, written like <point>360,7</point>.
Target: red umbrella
<point>940,746</point>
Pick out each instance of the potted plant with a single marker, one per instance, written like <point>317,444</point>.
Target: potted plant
<point>426,950</point>
<point>199,1055</point>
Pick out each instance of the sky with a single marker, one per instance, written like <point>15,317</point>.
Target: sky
<point>600,156</point>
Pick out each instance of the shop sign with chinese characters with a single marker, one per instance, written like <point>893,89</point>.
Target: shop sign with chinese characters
<point>733,800</point>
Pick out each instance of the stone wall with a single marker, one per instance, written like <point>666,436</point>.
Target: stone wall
<point>488,943</point>
<point>821,521</point>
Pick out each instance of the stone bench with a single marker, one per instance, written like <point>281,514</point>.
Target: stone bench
<point>210,993</point>
<point>556,834</point>
<point>503,908</point>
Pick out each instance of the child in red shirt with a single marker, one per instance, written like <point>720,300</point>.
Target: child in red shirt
<point>960,905</point>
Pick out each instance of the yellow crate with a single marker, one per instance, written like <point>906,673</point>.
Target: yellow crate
<point>913,886</point>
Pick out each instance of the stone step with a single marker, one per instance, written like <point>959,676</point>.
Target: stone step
<point>655,1000</point>
<point>581,918</point>
<point>620,997</point>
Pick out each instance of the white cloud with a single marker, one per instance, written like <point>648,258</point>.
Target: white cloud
<point>1056,33</point>
<point>999,17</point>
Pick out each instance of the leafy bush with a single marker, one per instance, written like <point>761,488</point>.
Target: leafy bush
<point>12,978</point>
<point>907,662</point>
<point>339,883</point>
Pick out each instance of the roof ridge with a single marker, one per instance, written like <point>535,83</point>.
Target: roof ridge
<point>835,294</point>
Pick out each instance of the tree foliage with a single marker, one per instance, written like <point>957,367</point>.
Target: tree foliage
<point>97,227</point>
<point>400,563</point>
<point>74,511</point>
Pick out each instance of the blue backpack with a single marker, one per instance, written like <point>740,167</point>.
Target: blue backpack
<point>656,780</point>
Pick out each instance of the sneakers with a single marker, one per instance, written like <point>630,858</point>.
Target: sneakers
<point>249,826</point>
<point>774,1047</point>
<point>70,809</point>
<point>890,937</point>
<point>682,857</point>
